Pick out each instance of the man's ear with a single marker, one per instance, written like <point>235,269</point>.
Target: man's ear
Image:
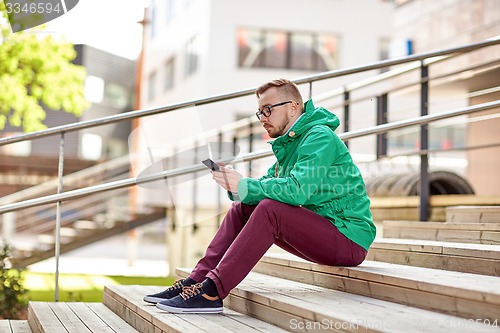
<point>295,108</point>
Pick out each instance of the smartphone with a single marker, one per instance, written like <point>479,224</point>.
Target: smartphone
<point>211,164</point>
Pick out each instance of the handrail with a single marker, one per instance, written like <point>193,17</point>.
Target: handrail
<point>68,179</point>
<point>73,194</point>
<point>245,92</point>
<point>423,60</point>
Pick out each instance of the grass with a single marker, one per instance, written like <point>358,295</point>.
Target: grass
<point>81,287</point>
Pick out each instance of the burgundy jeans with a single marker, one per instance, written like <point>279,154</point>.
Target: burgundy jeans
<point>247,232</point>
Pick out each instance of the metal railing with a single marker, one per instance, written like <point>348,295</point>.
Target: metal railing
<point>163,175</point>
<point>418,61</point>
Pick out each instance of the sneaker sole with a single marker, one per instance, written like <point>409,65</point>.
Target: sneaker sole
<point>153,300</point>
<point>188,310</point>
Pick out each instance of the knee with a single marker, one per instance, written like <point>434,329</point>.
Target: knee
<point>268,204</point>
<point>272,208</point>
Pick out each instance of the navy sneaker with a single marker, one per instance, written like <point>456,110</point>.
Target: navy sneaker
<point>171,291</point>
<point>192,299</point>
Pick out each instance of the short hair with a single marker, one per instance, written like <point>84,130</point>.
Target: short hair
<point>287,86</point>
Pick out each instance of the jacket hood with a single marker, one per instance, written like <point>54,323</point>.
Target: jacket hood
<point>314,116</point>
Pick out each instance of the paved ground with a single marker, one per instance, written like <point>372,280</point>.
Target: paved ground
<point>110,257</point>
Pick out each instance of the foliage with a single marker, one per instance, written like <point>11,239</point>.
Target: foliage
<point>36,70</point>
<point>13,296</point>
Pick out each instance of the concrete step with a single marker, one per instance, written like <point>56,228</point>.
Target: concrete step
<point>473,214</point>
<point>78,317</point>
<point>14,326</point>
<point>459,294</point>
<point>460,257</point>
<point>126,301</point>
<point>479,233</point>
<point>305,307</point>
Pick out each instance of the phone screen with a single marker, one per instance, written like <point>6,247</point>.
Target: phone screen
<point>211,164</point>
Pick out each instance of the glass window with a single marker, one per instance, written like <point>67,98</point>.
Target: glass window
<point>302,49</point>
<point>191,56</point>
<point>250,47</point>
<point>91,148</point>
<point>116,96</point>
<point>169,74</point>
<point>384,51</point>
<point>94,89</point>
<point>280,49</point>
<point>170,11</point>
<point>275,49</point>
<point>152,86</point>
<point>154,9</point>
<point>326,52</point>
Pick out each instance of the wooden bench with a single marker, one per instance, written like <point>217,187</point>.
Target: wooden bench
<point>460,257</point>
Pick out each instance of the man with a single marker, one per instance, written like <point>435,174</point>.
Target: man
<point>312,203</point>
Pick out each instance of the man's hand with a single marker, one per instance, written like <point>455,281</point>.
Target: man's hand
<point>227,178</point>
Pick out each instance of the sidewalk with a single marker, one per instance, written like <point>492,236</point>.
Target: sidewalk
<point>109,257</point>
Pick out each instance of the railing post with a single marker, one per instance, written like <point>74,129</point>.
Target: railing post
<point>218,192</point>
<point>58,216</point>
<point>250,146</point>
<point>424,145</point>
<point>172,182</point>
<point>310,90</point>
<point>381,119</point>
<point>346,114</point>
<point>195,188</point>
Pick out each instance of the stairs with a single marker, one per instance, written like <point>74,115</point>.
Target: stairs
<point>410,285</point>
<point>14,326</point>
<point>83,221</point>
<point>78,234</point>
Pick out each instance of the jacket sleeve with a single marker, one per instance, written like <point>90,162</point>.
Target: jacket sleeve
<point>315,157</point>
<point>269,174</point>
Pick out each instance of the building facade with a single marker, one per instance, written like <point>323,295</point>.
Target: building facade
<point>431,25</point>
<point>196,49</point>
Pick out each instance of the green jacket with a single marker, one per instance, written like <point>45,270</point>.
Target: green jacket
<point>314,169</point>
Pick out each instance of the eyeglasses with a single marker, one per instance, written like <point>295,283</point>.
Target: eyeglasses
<point>266,110</point>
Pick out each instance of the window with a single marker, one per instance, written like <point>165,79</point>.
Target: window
<point>384,44</point>
<point>170,11</point>
<point>94,89</point>
<point>191,56</point>
<point>116,96</point>
<point>169,74</point>
<point>91,148</point>
<point>154,9</point>
<point>152,86</point>
<point>274,51</point>
<point>281,49</point>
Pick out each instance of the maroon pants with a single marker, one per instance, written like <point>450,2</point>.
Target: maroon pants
<point>247,232</point>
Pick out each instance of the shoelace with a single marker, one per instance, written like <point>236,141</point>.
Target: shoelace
<point>190,291</point>
<point>177,284</point>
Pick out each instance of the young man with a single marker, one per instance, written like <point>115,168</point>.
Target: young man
<point>312,202</point>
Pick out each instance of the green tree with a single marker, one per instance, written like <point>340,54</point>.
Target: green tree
<point>13,296</point>
<point>36,70</point>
